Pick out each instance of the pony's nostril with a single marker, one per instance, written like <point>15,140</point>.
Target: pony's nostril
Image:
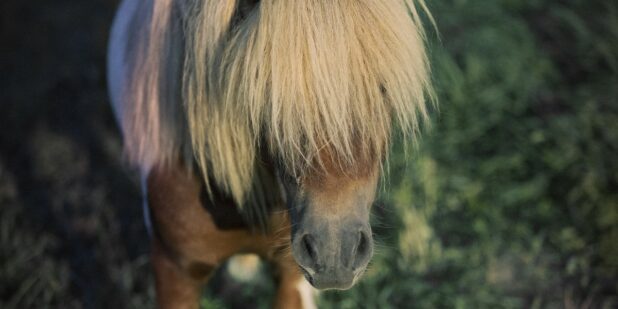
<point>363,250</point>
<point>308,244</point>
<point>362,244</point>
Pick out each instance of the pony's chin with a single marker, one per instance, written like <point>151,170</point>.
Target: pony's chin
<point>329,282</point>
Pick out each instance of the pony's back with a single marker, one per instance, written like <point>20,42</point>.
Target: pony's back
<point>145,62</point>
<point>116,56</point>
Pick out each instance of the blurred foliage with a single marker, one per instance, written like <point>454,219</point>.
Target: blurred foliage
<point>511,199</point>
<point>45,287</point>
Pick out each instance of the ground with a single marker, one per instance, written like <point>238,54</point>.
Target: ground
<point>508,199</point>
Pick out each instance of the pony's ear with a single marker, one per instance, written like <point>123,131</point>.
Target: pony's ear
<point>245,7</point>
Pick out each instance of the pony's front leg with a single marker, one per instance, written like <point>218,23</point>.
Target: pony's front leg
<point>188,243</point>
<point>294,291</point>
<point>175,287</point>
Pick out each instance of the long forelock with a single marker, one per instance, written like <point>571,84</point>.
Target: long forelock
<point>299,77</point>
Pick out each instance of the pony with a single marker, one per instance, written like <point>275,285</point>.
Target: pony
<point>262,126</point>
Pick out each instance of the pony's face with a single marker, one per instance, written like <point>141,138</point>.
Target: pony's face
<point>331,236</point>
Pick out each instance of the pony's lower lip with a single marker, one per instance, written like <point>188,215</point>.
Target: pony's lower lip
<point>307,275</point>
<point>310,279</point>
<point>327,286</point>
<point>307,271</point>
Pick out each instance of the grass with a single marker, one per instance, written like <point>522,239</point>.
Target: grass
<point>510,198</point>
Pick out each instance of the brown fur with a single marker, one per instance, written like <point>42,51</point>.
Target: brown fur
<point>189,244</point>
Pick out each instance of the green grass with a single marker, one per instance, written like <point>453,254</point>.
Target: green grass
<point>511,198</point>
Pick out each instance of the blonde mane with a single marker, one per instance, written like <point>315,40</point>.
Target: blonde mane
<point>227,79</point>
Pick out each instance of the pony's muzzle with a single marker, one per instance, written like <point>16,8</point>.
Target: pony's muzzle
<point>333,257</point>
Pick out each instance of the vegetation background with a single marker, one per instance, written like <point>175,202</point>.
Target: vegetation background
<point>508,200</point>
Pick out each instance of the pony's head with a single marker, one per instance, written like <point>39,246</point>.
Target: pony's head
<point>329,209</point>
<point>317,85</point>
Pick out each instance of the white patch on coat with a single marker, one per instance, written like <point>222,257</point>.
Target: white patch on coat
<point>244,267</point>
<point>307,294</point>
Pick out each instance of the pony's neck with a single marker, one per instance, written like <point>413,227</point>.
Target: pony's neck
<point>265,198</point>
